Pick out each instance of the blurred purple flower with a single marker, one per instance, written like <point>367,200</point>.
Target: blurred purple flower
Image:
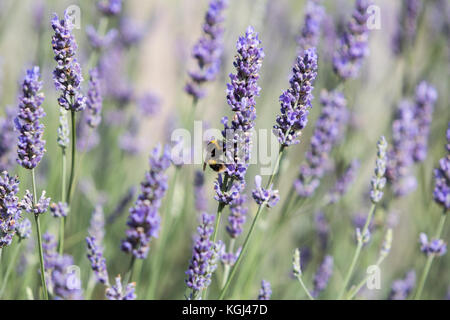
<point>441,192</point>
<point>266,291</point>
<point>99,42</point>
<point>310,33</point>
<point>262,196</point>
<point>115,292</point>
<point>94,100</point>
<point>201,202</point>
<point>322,229</point>
<point>149,104</point>
<point>23,229</point>
<point>59,210</point>
<point>344,182</point>
<point>407,25</point>
<point>322,276</point>
<point>8,138</point>
<point>9,208</point>
<point>401,288</point>
<point>435,247</point>
<point>98,262</point>
<point>237,216</point>
<point>110,7</point>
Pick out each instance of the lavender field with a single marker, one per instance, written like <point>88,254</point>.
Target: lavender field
<point>224,149</point>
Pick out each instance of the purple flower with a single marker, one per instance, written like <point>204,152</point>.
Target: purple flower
<point>8,138</point>
<point>131,32</point>
<point>327,133</point>
<point>296,101</point>
<point>229,258</point>
<point>224,196</point>
<point>30,146</point>
<point>38,208</point>
<point>323,275</point>
<point>94,100</point>
<point>237,217</point>
<point>98,262</point>
<point>262,196</point>
<point>59,210</point>
<point>110,7</point>
<point>62,278</point>
<point>408,19</point>
<point>67,74</point>
<point>441,192</point>
<point>378,180</point>
<point>149,104</point>
<point>9,208</point>
<point>115,292</point>
<point>204,258</point>
<point>322,229</point>
<point>100,42</point>
<point>241,94</point>
<point>401,288</point>
<point>353,45</point>
<point>144,219</point>
<point>435,247</point>
<point>266,291</point>
<point>97,224</point>
<point>400,155</point>
<point>201,203</point>
<point>208,50</point>
<point>23,229</point>
<point>310,33</point>
<point>87,139</point>
<point>426,96</point>
<point>344,182</point>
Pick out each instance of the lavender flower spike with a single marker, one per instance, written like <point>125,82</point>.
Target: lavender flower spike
<point>296,101</point>
<point>353,46</point>
<point>9,208</point>
<point>204,258</point>
<point>208,50</point>
<point>8,138</point>
<point>441,192</point>
<point>31,146</point>
<point>67,74</point>
<point>344,182</point>
<point>322,276</point>
<point>379,181</point>
<point>110,7</point>
<point>408,20</point>
<point>94,99</point>
<point>237,217</point>
<point>38,208</point>
<point>401,288</point>
<point>435,247</point>
<point>328,131</point>
<point>426,96</point>
<point>266,291</point>
<point>98,262</point>
<point>144,219</point>
<point>59,210</point>
<point>261,196</point>
<point>310,33</point>
<point>115,292</point>
<point>201,203</point>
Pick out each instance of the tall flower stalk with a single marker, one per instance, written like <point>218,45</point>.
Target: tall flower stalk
<point>31,146</point>
<point>377,185</point>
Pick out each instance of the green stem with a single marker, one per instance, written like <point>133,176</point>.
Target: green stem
<point>129,276</point>
<point>357,253</point>
<point>72,168</point>
<point>10,266</point>
<point>354,291</point>
<point>252,227</point>
<point>63,197</point>
<point>299,278</point>
<point>430,259</point>
<point>39,238</point>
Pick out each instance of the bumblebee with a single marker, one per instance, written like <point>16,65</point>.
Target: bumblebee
<point>214,156</point>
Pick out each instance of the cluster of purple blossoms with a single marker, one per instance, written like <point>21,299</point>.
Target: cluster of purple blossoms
<point>426,96</point>
<point>266,291</point>
<point>62,278</point>
<point>343,183</point>
<point>94,100</point>
<point>144,219</point>
<point>328,131</point>
<point>241,94</point>
<point>208,50</point>
<point>99,42</point>
<point>116,292</point>
<point>23,229</point>
<point>353,45</point>
<point>38,208</point>
<point>31,146</point>
<point>379,180</point>
<point>400,154</point>
<point>98,262</point>
<point>110,7</point>
<point>408,20</point>
<point>263,196</point>
<point>130,31</point>
<point>322,276</point>
<point>229,258</point>
<point>204,258</point>
<point>310,33</point>
<point>201,203</point>
<point>237,217</point>
<point>9,208</point>
<point>441,192</point>
<point>59,210</point>
<point>401,288</point>
<point>322,229</point>
<point>8,137</point>
<point>435,247</point>
<point>296,101</point>
<point>67,74</point>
